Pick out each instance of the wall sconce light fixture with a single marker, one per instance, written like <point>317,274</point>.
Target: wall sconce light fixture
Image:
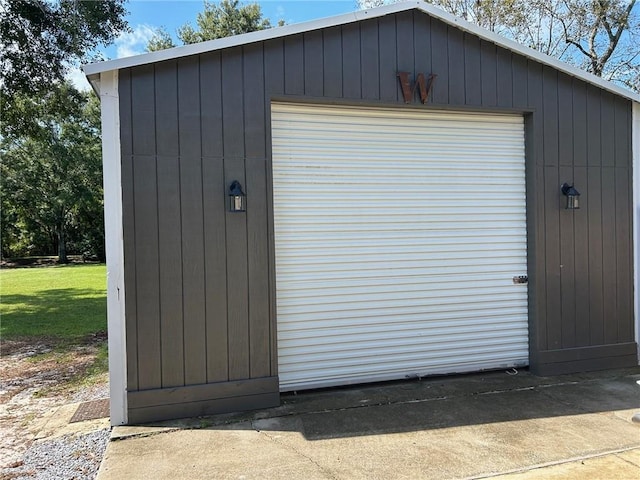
<point>237,198</point>
<point>573,202</point>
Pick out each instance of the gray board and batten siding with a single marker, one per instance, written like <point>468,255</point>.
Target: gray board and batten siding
<point>200,281</point>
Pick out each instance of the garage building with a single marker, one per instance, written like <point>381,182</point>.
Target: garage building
<point>380,195</point>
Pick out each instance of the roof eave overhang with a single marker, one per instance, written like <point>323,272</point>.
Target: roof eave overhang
<point>93,70</point>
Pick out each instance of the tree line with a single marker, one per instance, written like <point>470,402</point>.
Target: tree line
<point>50,170</point>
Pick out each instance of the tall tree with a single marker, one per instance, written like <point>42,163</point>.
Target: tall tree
<point>50,177</point>
<point>227,18</point>
<point>217,20</point>
<point>40,38</point>
<point>160,40</point>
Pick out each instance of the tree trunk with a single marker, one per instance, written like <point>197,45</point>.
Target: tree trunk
<point>62,246</point>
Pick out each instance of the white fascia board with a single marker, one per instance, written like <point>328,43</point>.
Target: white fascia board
<point>635,145</point>
<point>346,18</point>
<point>114,244</point>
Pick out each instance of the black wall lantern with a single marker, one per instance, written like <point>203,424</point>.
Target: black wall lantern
<point>573,202</point>
<point>237,198</point>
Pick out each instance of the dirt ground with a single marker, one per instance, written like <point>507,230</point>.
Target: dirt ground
<point>36,377</point>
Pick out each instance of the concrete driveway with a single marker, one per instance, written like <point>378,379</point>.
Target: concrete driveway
<point>469,426</point>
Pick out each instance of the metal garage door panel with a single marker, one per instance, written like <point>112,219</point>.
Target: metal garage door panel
<point>397,235</point>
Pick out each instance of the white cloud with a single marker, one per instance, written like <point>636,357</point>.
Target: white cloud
<point>134,42</point>
<point>76,76</point>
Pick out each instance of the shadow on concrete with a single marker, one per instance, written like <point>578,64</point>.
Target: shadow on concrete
<point>435,403</point>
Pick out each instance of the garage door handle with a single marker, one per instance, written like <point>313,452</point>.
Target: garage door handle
<point>520,279</point>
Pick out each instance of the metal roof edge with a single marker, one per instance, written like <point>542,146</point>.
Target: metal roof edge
<point>277,32</point>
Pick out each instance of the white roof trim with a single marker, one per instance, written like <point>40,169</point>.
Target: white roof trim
<point>346,18</point>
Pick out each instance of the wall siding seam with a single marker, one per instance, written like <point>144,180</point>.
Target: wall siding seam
<point>204,229</point>
<point>134,239</point>
<point>157,211</point>
<point>246,222</point>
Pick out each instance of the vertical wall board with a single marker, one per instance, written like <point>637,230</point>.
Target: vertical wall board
<point>422,45</point>
<point>124,94</point>
<point>170,261</point>
<point>237,276</point>
<point>193,270</point>
<point>370,58</point>
<point>579,102</point>
<point>534,175</point>
<point>211,104</point>
<point>192,220</point>
<point>456,66</point>
<point>594,122</point>
<point>504,78</point>
<point>607,129</point>
<point>313,60</point>
<point>258,257</point>
<point>129,241</point>
<point>214,201</point>
<point>472,68</point>
<point>332,62</point>
<point>550,112</point>
<point>440,62</point>
<point>535,101</point>
<point>581,256</point>
<point>254,107</point>
<point>271,252</point>
<point>143,110</point>
<point>622,132</point>
<point>352,79</point>
<point>294,65</point>
<point>519,81</point>
<point>565,123</point>
<point>189,106</point>
<point>232,103</point>
<point>536,224</point>
<point>274,84</point>
<point>553,204</point>
<point>404,44</point>
<point>596,288</point>
<point>273,75</point>
<point>624,256</point>
<point>540,285</point>
<point>609,252</point>
<point>166,99</point>
<point>488,61</point>
<point>567,267</point>
<point>389,85</point>
<point>147,271</point>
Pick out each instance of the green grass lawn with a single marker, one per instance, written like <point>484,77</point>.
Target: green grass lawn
<point>65,302</point>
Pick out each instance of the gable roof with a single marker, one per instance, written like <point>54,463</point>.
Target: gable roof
<point>93,70</point>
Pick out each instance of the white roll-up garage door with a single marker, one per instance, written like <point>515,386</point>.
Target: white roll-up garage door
<point>398,233</point>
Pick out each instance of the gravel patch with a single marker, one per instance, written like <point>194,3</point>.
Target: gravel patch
<point>64,458</point>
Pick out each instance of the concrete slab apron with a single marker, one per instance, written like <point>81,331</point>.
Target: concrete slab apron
<point>472,435</point>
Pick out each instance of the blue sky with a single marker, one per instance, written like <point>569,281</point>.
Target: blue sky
<point>146,15</point>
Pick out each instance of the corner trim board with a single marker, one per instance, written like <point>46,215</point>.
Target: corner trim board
<point>114,243</point>
<point>635,156</point>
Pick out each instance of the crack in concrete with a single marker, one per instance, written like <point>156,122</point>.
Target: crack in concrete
<point>329,474</point>
<point>539,466</point>
<point>617,455</point>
